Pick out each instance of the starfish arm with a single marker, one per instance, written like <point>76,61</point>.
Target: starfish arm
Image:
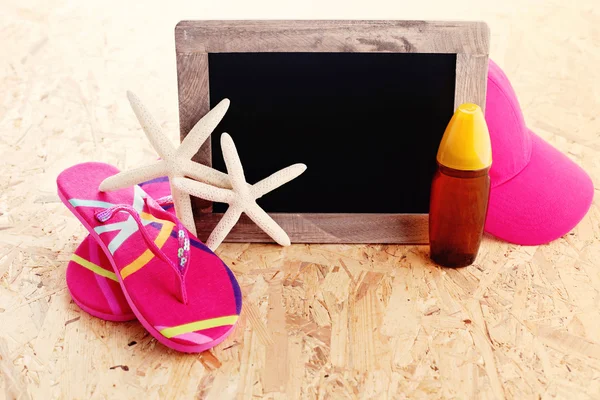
<point>183,208</point>
<point>230,218</point>
<point>203,191</point>
<point>277,179</point>
<point>203,173</point>
<point>267,224</point>
<point>159,141</point>
<point>134,176</point>
<point>202,130</point>
<point>233,164</point>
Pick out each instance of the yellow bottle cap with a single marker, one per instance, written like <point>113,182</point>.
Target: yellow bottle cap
<point>466,142</point>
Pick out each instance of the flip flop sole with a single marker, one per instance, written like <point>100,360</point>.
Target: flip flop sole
<point>94,286</point>
<point>98,314</point>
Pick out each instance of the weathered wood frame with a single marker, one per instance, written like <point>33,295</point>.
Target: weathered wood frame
<point>194,40</point>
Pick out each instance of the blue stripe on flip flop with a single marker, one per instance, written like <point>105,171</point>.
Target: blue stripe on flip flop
<point>155,180</point>
<point>200,245</point>
<point>236,290</point>
<point>155,225</point>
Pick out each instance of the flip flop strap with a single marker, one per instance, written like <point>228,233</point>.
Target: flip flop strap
<point>162,201</point>
<point>183,252</point>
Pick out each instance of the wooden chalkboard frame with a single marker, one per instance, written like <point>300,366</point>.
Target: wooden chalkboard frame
<point>194,40</point>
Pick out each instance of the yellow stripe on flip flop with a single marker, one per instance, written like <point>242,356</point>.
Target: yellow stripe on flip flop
<point>152,218</point>
<point>94,268</point>
<point>198,326</point>
<point>147,255</point>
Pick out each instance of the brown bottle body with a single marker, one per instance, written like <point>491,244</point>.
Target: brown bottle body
<point>457,211</point>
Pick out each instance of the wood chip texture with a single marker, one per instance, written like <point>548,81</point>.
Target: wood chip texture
<point>319,321</point>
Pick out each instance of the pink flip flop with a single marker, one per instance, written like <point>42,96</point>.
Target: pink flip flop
<point>180,291</point>
<point>91,280</point>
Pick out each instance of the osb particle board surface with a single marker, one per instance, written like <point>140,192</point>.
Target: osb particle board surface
<point>318,321</point>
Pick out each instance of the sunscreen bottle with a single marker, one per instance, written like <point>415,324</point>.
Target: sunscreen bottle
<point>460,189</point>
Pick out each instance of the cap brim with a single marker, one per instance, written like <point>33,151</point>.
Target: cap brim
<point>541,203</point>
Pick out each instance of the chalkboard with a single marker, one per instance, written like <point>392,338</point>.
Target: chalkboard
<point>363,104</point>
<point>356,120</point>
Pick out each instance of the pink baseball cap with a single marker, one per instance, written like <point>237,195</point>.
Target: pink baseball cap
<point>537,194</point>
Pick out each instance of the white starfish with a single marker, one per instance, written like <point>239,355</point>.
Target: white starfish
<point>175,162</point>
<point>242,197</point>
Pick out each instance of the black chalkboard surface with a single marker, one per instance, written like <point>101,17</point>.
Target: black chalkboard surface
<point>363,104</point>
<point>367,126</point>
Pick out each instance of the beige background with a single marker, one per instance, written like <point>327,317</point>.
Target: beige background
<point>318,321</point>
